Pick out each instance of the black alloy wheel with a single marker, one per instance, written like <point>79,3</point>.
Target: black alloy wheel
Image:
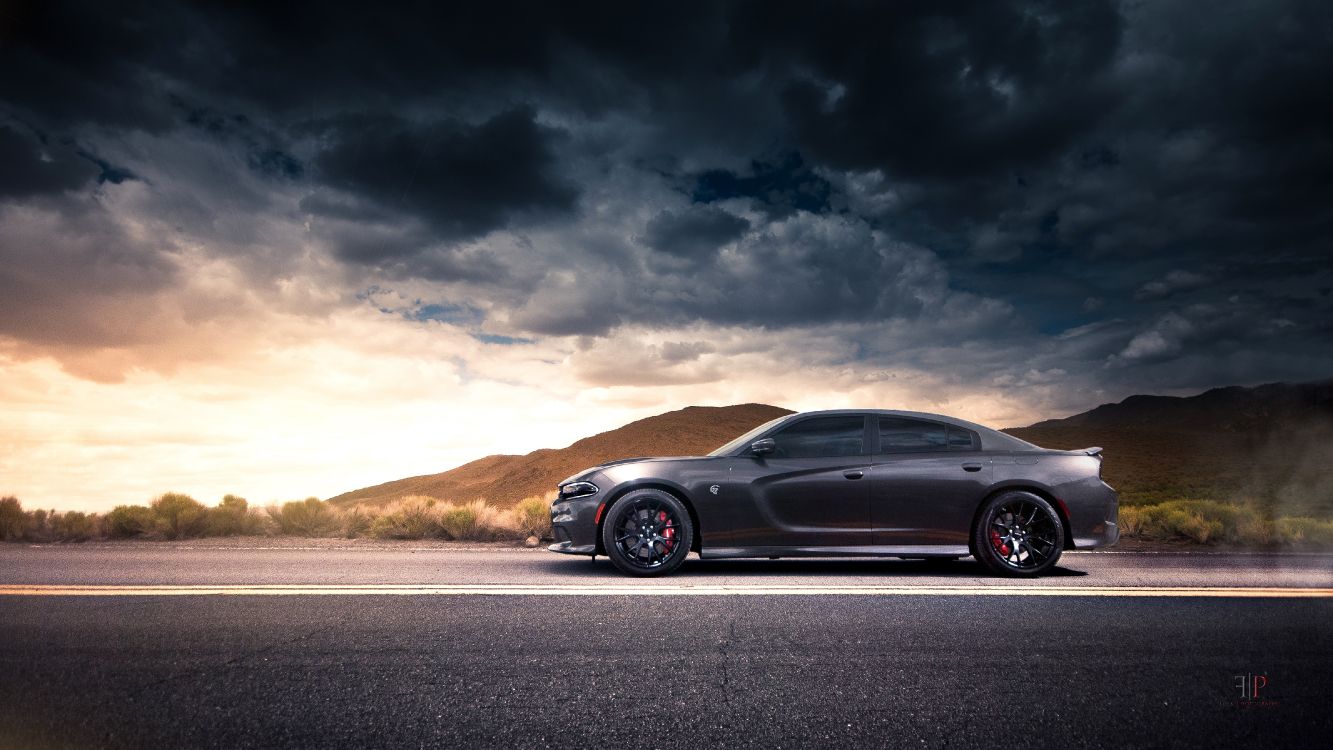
<point>647,533</point>
<point>1018,534</point>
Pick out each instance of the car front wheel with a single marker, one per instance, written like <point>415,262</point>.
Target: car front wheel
<point>647,533</point>
<point>1018,534</point>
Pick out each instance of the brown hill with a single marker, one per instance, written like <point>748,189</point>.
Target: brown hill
<point>504,480</point>
<point>1273,443</point>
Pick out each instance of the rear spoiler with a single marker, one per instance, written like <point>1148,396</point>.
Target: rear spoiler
<point>1093,451</point>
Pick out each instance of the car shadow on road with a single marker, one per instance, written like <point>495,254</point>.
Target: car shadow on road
<point>697,568</point>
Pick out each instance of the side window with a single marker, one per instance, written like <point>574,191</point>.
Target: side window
<point>962,440</point>
<point>821,437</point>
<point>901,435</point>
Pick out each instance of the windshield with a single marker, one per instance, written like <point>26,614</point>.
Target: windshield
<point>747,437</point>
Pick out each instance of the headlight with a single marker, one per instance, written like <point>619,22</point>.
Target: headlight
<point>577,489</point>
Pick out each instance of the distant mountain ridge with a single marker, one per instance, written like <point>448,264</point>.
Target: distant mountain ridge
<point>1272,442</point>
<point>1232,408</point>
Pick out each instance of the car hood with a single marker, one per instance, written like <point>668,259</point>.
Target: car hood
<point>583,475</point>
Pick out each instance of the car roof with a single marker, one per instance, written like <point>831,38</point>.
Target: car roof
<point>992,440</point>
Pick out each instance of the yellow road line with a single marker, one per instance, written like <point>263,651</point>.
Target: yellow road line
<point>501,589</point>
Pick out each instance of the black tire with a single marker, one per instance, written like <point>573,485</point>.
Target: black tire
<point>647,533</point>
<point>1018,534</point>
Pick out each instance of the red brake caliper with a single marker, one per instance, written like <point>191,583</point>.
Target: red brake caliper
<point>669,532</point>
<point>998,543</point>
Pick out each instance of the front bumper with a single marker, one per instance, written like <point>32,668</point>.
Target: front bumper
<point>574,524</point>
<point>569,548</point>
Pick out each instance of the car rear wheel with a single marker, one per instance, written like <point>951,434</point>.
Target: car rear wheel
<point>1018,534</point>
<point>647,533</point>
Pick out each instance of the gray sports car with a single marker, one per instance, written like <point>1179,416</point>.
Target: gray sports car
<point>844,483</point>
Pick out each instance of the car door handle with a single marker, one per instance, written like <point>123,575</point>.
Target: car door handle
<point>971,466</point>
<point>854,474</point>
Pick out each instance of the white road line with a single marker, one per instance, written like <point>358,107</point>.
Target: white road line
<point>501,589</point>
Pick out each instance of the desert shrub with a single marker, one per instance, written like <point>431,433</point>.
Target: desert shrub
<point>1194,525</point>
<point>1207,522</point>
<point>459,522</point>
<point>37,527</point>
<point>1305,531</point>
<point>1201,521</point>
<point>12,518</point>
<point>260,521</point>
<point>126,521</point>
<point>413,517</point>
<point>1132,521</point>
<point>1253,530</point>
<point>493,523</point>
<point>356,521</point>
<point>477,522</point>
<point>74,526</point>
<point>179,516</point>
<point>230,518</point>
<point>309,517</point>
<point>532,516</point>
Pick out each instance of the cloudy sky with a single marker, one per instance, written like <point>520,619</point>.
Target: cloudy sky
<point>293,252</point>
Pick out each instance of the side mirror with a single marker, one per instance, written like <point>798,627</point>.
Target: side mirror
<point>762,447</point>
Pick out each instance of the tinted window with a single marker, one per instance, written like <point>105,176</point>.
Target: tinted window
<point>960,439</point>
<point>824,436</point>
<point>898,435</point>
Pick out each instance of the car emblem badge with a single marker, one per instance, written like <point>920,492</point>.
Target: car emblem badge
<point>715,489</point>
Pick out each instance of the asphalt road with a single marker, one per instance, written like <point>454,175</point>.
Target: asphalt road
<point>737,668</point>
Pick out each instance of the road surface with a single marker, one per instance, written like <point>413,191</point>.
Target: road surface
<point>143,645</point>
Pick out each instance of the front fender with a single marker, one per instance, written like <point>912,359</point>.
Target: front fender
<point>690,482</point>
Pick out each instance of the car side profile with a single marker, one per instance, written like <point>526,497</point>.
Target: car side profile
<point>843,483</point>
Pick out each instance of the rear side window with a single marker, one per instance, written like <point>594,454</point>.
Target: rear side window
<point>901,435</point>
<point>963,440</point>
<point>821,437</point>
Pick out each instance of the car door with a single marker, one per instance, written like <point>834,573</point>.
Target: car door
<point>810,491</point>
<point>926,479</point>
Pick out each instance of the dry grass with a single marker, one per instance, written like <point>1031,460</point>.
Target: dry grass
<point>1212,522</point>
<point>309,517</point>
<point>413,517</point>
<point>532,515</point>
<point>177,516</point>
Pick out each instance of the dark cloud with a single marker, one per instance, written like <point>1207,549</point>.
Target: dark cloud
<point>87,63</point>
<point>804,270</point>
<point>1066,164</point>
<point>934,91</point>
<point>464,180</point>
<point>35,168</point>
<point>1175,281</point>
<point>779,187</point>
<point>694,232</point>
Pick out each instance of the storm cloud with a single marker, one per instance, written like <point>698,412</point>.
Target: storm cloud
<point>463,180</point>
<point>946,185</point>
